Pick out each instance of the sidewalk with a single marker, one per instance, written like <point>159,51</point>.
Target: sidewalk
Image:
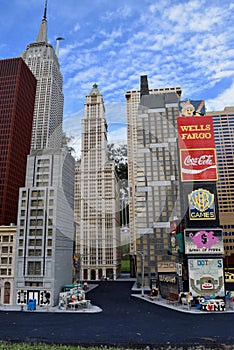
<point>137,293</point>
<point>178,307</point>
<point>89,310</point>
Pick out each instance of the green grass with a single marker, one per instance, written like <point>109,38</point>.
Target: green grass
<point>125,266</point>
<point>25,346</point>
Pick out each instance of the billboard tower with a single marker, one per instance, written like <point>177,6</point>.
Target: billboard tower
<point>202,235</point>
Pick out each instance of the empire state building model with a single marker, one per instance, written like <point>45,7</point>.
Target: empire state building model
<point>45,225</point>
<point>48,112</point>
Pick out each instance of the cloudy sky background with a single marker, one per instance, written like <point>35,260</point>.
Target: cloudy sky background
<point>176,43</point>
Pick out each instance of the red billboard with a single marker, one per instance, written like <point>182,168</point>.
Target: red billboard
<point>198,164</point>
<point>195,132</point>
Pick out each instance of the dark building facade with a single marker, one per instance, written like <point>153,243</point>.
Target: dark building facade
<point>17,97</point>
<point>154,197</point>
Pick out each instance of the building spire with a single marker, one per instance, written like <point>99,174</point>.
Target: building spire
<point>42,35</point>
<point>45,10</point>
<point>94,90</point>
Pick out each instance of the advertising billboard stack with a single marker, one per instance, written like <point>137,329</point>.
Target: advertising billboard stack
<point>197,148</point>
<point>203,239</point>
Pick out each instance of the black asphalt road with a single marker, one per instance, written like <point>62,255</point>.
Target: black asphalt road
<point>125,321</point>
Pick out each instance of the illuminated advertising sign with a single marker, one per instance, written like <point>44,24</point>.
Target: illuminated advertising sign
<point>201,205</point>
<point>195,132</point>
<point>177,243</point>
<point>203,241</point>
<point>206,277</point>
<point>198,164</point>
<point>176,239</point>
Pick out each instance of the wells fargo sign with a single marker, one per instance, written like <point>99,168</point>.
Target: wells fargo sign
<point>197,148</point>
<point>198,164</point>
<point>196,132</point>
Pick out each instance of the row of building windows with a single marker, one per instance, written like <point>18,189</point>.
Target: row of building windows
<point>35,242</point>
<point>5,272</point>
<point>36,232</point>
<point>6,250</point>
<point>37,202</point>
<point>36,222</point>
<point>6,260</point>
<point>5,239</point>
<point>35,252</point>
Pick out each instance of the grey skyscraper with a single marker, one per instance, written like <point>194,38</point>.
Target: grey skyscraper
<point>45,230</point>
<point>153,177</point>
<point>48,112</point>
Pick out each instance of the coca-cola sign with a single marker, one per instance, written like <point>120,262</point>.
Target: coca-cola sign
<point>198,164</point>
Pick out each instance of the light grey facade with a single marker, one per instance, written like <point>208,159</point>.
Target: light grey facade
<point>45,226</point>
<point>48,111</point>
<point>45,233</point>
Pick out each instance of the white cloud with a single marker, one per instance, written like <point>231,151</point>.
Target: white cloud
<point>121,12</point>
<point>118,136</point>
<point>187,43</point>
<point>77,27</point>
<point>224,99</point>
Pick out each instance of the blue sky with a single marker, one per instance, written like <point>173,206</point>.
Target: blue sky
<point>176,43</point>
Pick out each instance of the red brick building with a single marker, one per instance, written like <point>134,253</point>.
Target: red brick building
<point>17,97</point>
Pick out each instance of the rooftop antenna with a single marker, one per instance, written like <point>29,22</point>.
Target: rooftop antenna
<point>58,45</point>
<point>144,85</point>
<point>45,9</point>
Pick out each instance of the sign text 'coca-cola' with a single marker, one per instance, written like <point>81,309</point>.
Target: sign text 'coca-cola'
<point>198,164</point>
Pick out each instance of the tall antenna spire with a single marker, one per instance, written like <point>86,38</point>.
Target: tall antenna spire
<point>45,10</point>
<point>42,35</point>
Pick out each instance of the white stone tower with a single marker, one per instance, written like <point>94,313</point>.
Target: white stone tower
<point>96,198</point>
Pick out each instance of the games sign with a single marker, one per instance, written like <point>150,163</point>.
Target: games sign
<point>201,205</point>
<point>198,164</point>
<point>203,241</point>
<point>195,132</point>
<point>206,277</point>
